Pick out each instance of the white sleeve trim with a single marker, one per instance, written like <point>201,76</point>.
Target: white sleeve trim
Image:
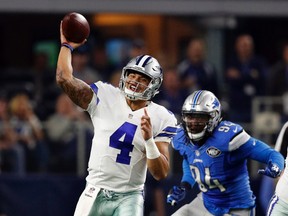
<point>238,140</point>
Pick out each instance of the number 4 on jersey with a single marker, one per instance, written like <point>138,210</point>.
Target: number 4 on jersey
<point>122,139</point>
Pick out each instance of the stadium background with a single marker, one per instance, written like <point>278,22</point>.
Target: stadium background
<point>30,25</point>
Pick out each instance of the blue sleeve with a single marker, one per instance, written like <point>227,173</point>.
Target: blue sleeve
<point>179,141</point>
<point>187,176</point>
<point>259,151</point>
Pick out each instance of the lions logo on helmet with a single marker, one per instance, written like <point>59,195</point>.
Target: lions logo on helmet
<point>202,102</point>
<point>148,66</point>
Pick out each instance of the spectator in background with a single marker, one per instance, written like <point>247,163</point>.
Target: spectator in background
<point>82,69</point>
<point>100,61</point>
<point>12,155</point>
<point>278,75</point>
<point>195,72</point>
<point>246,78</point>
<point>30,134</point>
<point>172,94</point>
<point>278,82</point>
<point>62,129</point>
<point>45,89</point>
<point>138,47</point>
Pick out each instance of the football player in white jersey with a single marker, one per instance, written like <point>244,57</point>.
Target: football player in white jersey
<point>131,134</point>
<point>279,202</point>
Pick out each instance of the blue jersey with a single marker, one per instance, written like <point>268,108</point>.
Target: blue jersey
<point>219,166</point>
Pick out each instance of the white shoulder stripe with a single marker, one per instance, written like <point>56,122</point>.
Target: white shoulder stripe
<point>238,140</point>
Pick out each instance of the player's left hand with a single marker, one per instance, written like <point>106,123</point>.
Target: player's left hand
<point>272,170</point>
<point>146,127</point>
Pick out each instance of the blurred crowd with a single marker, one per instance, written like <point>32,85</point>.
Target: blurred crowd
<point>40,126</point>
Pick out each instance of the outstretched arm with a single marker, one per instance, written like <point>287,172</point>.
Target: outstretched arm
<point>257,150</point>
<point>78,91</point>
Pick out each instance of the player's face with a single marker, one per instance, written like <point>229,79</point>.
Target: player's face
<point>137,82</point>
<point>195,123</point>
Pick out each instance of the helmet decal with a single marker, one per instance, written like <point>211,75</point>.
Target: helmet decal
<point>196,97</point>
<point>215,103</point>
<point>142,60</point>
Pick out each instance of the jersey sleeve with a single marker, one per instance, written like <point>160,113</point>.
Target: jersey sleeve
<point>257,150</point>
<point>179,141</point>
<point>102,92</point>
<point>231,135</point>
<point>167,127</point>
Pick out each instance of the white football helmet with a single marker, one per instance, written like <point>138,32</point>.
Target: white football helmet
<point>205,103</point>
<point>148,66</point>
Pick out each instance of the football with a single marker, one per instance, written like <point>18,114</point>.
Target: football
<point>75,27</point>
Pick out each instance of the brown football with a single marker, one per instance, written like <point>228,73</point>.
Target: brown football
<point>75,27</point>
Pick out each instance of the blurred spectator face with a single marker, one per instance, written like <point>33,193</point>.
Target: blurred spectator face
<point>20,106</point>
<point>196,51</point>
<point>244,47</point>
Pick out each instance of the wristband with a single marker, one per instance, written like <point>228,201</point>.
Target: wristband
<point>65,44</point>
<point>152,151</point>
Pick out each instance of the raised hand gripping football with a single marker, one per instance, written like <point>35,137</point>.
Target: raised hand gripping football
<point>75,27</point>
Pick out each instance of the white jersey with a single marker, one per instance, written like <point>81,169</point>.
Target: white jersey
<point>282,185</point>
<point>117,160</point>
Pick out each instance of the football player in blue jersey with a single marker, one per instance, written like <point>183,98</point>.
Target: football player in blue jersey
<point>131,133</point>
<point>215,154</point>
